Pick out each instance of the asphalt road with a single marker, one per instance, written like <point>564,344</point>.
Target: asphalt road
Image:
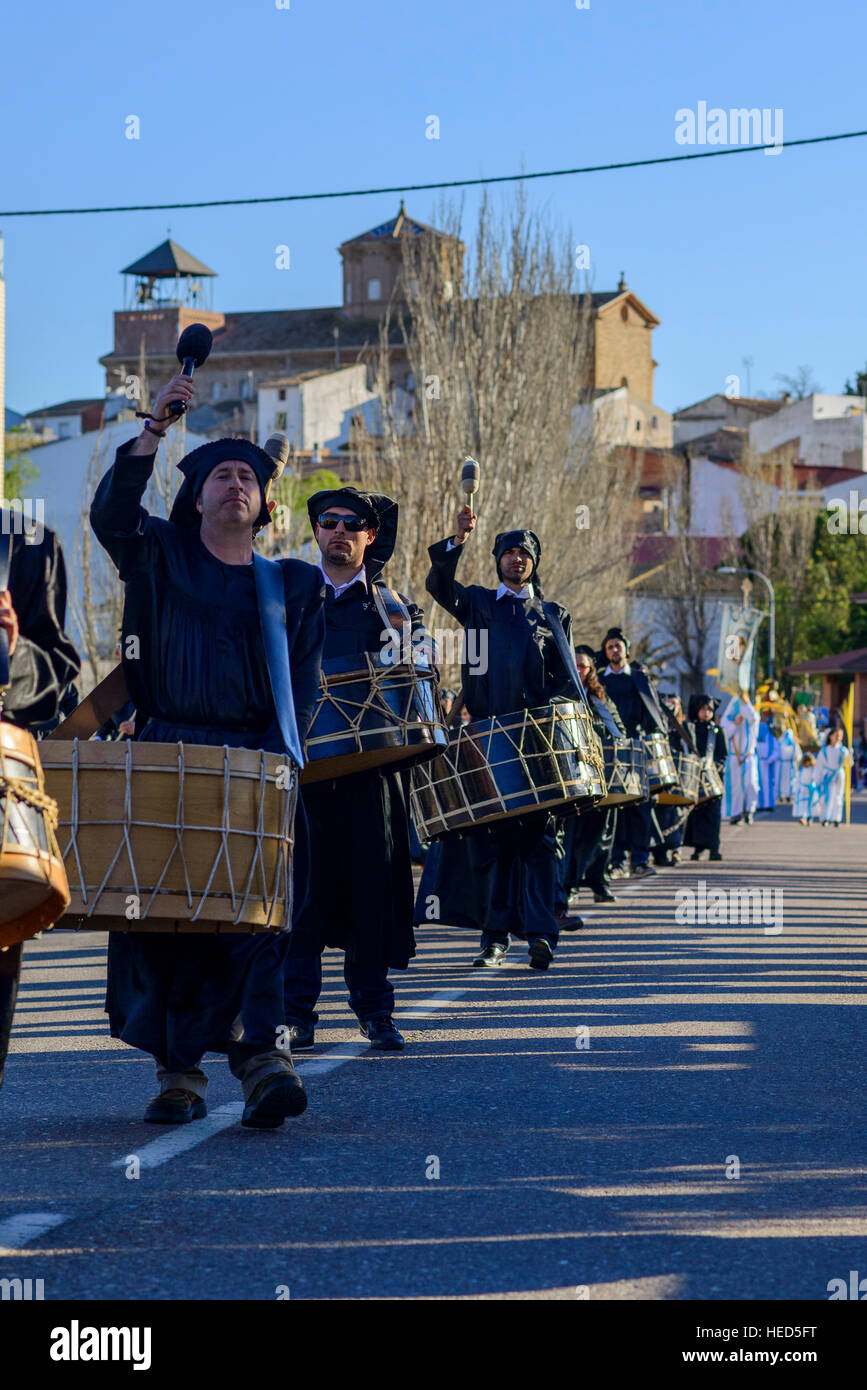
<point>673,1111</point>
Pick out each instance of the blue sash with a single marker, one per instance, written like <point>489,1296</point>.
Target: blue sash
<point>5,565</point>
<point>272,614</point>
<point>565,650</point>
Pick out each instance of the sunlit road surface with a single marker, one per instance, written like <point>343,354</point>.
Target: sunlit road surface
<point>675,1110</point>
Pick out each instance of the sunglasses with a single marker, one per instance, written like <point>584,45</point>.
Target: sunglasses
<point>328,521</point>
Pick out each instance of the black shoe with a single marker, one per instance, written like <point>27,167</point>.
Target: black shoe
<point>492,955</point>
<point>735,820</point>
<point>749,817</point>
<point>696,854</point>
<point>643,871</point>
<point>541,953</point>
<point>301,1037</point>
<point>561,916</point>
<point>571,924</point>
<point>603,895</point>
<point>274,1098</point>
<point>175,1107</point>
<point>715,854</point>
<point>383,1035</point>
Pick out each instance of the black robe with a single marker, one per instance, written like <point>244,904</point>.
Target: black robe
<point>42,666</point>
<point>198,674</point>
<point>361,892</point>
<point>468,880</point>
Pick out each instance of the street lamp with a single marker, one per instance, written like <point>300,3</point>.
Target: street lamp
<point>772,636</point>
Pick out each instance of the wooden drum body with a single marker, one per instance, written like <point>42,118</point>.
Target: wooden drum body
<point>661,769</point>
<point>174,836</point>
<point>625,772</point>
<point>372,715</point>
<point>685,793</point>
<point>512,766</point>
<point>33,887</point>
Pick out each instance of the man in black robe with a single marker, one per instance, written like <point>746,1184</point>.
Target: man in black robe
<point>42,664</point>
<point>205,668</point>
<point>503,879</point>
<point>628,686</point>
<point>361,894</point>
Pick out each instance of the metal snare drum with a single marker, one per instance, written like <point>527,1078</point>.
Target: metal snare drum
<point>511,766</point>
<point>685,793</point>
<point>625,772</point>
<point>372,715</point>
<point>661,770</point>
<point>710,783</point>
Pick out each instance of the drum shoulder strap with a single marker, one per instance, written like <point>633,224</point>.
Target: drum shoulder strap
<point>392,609</point>
<point>5,565</point>
<point>271,599</point>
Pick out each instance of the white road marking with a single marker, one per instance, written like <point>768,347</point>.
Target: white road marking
<point>188,1136</point>
<point>17,1231</point>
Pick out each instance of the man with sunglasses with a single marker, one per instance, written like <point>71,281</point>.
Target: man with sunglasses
<point>361,892</point>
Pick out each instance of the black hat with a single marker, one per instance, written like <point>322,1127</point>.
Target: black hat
<point>528,540</point>
<point>196,466</point>
<point>362,503</point>
<point>584,650</point>
<point>619,634</point>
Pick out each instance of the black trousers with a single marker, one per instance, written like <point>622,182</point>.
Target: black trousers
<point>370,993</point>
<point>10,972</point>
<point>525,880</point>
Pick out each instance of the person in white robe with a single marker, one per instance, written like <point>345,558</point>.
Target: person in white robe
<point>805,789</point>
<point>787,765</point>
<point>740,724</point>
<point>833,768</point>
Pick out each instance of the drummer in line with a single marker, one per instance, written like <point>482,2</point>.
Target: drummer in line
<point>361,892</point>
<point>221,659</point>
<point>627,684</point>
<point>502,880</point>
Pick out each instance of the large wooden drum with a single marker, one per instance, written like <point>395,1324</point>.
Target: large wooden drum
<point>625,772</point>
<point>686,789</point>
<point>174,837</point>
<point>372,715</point>
<point>515,766</point>
<point>33,887</point>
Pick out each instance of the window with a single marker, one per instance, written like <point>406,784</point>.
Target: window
<point>280,421</point>
<point>654,422</point>
<point>215,391</point>
<point>638,425</point>
<point>374,289</point>
<point>624,312</point>
<point>281,394</point>
<point>624,381</point>
<point>347,293</point>
<point>244,388</point>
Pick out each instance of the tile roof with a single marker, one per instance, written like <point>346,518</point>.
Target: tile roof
<point>168,259</point>
<point>839,663</point>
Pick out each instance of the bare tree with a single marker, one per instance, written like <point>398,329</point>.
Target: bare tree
<point>800,384</point>
<point>498,348</point>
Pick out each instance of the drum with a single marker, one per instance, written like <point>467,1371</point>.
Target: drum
<point>661,771</point>
<point>625,772</point>
<point>372,715</point>
<point>514,766</point>
<point>174,837</point>
<point>710,783</point>
<point>33,887</point>
<point>685,793</point>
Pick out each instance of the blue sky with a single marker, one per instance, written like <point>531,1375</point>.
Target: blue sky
<point>754,255</point>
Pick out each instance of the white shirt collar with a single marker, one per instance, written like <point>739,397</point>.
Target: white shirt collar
<point>360,577</point>
<point>624,671</point>
<point>526,592</point>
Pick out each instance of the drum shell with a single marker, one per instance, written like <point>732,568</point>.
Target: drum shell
<point>661,769</point>
<point>33,888</point>
<point>516,766</point>
<point>625,772</point>
<point>685,793</point>
<point>711,784</point>
<point>372,715</point>
<point>190,836</point>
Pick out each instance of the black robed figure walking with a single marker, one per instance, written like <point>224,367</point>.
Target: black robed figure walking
<point>42,663</point>
<point>502,880</point>
<point>361,895</point>
<point>211,635</point>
